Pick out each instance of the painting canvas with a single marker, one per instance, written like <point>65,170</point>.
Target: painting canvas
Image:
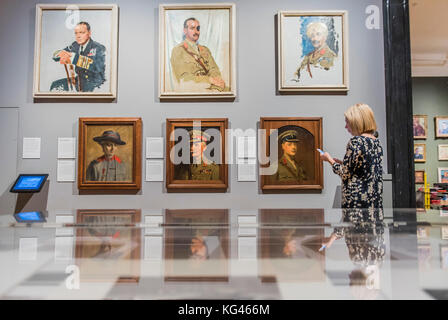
<point>109,153</point>
<point>312,51</point>
<point>443,175</point>
<point>108,245</point>
<point>196,155</point>
<point>296,165</point>
<point>419,176</point>
<point>419,152</point>
<point>199,252</point>
<point>441,127</point>
<point>197,51</point>
<point>443,152</point>
<point>420,126</point>
<point>289,245</point>
<point>75,51</point>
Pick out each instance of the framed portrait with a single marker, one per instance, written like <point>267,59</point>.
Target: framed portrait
<point>197,51</point>
<point>75,51</point>
<point>442,175</point>
<point>444,232</point>
<point>108,245</point>
<point>443,152</point>
<point>196,155</point>
<point>419,176</point>
<point>288,240</point>
<point>109,153</point>
<point>441,126</point>
<point>295,165</point>
<point>420,126</point>
<point>419,152</point>
<point>198,251</point>
<point>312,51</point>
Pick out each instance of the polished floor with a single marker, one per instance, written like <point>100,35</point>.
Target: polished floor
<point>222,254</point>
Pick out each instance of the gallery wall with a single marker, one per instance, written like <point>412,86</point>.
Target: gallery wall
<point>430,98</point>
<point>137,97</point>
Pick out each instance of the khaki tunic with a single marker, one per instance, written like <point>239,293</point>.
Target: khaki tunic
<point>197,172</point>
<point>191,63</point>
<point>323,58</point>
<point>287,173</point>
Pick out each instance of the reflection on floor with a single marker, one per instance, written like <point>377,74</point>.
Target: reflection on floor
<point>222,254</point>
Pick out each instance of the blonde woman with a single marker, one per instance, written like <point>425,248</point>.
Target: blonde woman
<point>361,170</point>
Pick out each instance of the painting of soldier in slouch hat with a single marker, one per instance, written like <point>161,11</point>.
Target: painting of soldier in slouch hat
<point>108,152</point>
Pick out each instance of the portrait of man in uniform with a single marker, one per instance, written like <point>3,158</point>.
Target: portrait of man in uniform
<point>196,155</point>
<point>288,168</point>
<point>197,50</point>
<point>194,62</point>
<point>76,51</point>
<point>313,55</point>
<point>84,62</point>
<point>199,168</point>
<point>108,167</point>
<point>290,146</point>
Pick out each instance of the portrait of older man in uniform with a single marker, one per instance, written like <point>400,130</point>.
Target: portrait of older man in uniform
<point>108,167</point>
<point>322,57</point>
<point>192,62</point>
<point>83,61</point>
<point>288,169</point>
<point>200,168</point>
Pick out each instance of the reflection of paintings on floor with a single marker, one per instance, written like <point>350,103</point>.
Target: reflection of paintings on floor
<point>289,245</point>
<point>107,246</point>
<point>200,251</point>
<point>424,257</point>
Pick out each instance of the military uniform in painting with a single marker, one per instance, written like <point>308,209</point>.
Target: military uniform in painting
<point>322,58</point>
<point>288,169</point>
<point>108,167</point>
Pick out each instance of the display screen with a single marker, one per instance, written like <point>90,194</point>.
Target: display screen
<point>32,216</point>
<point>29,183</point>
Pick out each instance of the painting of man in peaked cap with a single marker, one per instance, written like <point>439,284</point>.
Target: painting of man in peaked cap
<point>199,168</point>
<point>109,166</point>
<point>288,168</point>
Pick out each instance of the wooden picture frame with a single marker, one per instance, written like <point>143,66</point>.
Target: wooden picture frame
<point>419,152</point>
<point>200,250</point>
<point>308,174</point>
<point>298,68</point>
<point>420,126</point>
<point>281,232</point>
<point>184,177</point>
<point>98,171</point>
<point>90,68</point>
<point>104,235</point>
<point>419,176</point>
<point>442,175</point>
<point>443,152</point>
<point>207,71</point>
<point>441,126</point>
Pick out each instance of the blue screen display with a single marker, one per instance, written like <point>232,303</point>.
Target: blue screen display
<point>29,216</point>
<point>29,183</point>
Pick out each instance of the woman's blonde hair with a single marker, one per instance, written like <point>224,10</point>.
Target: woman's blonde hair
<point>360,119</point>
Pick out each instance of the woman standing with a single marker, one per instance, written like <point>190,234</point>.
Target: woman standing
<point>361,170</point>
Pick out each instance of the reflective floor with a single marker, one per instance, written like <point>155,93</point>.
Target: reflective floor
<point>222,254</point>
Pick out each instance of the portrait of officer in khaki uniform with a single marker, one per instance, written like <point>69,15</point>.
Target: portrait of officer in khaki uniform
<point>288,169</point>
<point>322,57</point>
<point>200,168</point>
<point>108,167</point>
<point>194,63</point>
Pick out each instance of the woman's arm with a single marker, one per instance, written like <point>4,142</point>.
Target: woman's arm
<point>352,160</point>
